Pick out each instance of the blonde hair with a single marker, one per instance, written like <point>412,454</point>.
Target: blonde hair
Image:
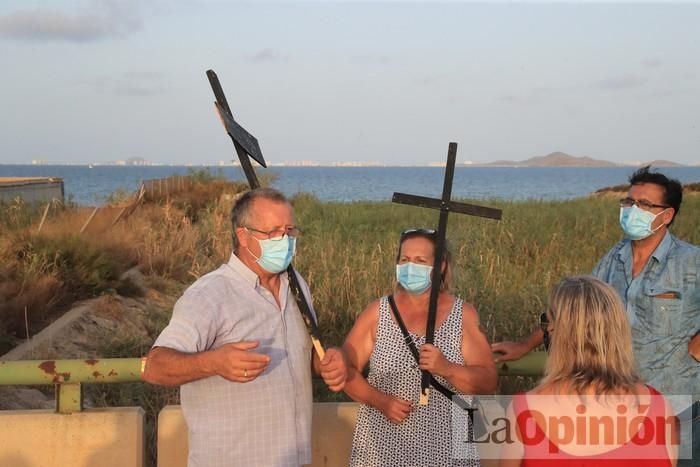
<point>591,343</point>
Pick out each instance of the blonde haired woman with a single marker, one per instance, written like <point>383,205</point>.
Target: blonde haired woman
<point>591,408</point>
<point>392,429</point>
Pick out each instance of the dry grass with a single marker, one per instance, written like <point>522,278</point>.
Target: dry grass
<point>505,268</point>
<point>151,398</point>
<point>346,254</point>
<point>175,240</point>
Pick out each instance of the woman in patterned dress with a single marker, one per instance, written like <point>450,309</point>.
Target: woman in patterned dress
<point>392,428</point>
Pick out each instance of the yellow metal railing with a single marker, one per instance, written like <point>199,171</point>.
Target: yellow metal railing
<point>69,375</point>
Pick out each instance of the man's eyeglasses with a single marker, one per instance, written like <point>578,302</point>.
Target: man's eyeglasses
<point>277,234</point>
<point>408,232</point>
<point>642,204</point>
<point>544,325</point>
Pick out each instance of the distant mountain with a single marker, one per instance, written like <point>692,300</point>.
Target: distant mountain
<point>555,159</point>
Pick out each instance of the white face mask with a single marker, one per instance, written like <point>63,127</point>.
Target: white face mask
<point>636,222</point>
<point>276,255</point>
<point>414,278</point>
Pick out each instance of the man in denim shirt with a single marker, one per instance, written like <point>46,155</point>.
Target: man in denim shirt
<point>656,276</point>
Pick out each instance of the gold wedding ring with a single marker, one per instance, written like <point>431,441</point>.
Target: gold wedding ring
<point>245,373</point>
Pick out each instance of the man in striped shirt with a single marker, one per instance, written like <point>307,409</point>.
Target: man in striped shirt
<point>238,347</point>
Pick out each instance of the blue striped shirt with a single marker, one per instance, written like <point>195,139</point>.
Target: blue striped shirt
<point>265,422</point>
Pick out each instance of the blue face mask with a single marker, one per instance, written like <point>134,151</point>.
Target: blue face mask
<point>636,222</point>
<point>414,278</point>
<point>276,255</point>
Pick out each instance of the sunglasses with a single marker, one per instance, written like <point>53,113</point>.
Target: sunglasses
<point>544,325</point>
<point>408,232</point>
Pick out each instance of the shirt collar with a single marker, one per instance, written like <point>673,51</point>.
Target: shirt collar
<point>249,276</point>
<point>244,271</point>
<point>661,251</point>
<point>659,254</point>
<point>625,250</point>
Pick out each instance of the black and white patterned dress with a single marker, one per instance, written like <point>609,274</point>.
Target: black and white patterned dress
<point>425,437</point>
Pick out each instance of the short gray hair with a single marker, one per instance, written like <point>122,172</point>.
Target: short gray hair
<point>241,213</point>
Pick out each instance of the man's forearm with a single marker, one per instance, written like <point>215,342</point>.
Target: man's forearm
<point>168,367</point>
<point>535,339</point>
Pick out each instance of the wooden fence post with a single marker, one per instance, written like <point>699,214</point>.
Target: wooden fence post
<point>87,222</point>
<point>43,218</point>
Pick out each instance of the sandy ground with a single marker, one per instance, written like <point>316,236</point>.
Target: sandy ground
<point>80,334</point>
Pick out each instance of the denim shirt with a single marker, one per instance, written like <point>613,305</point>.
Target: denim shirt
<point>663,308</point>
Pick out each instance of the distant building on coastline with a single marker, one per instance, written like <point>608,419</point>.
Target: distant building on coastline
<point>31,189</point>
<point>357,164</point>
<point>136,161</point>
<point>304,163</point>
<point>132,161</point>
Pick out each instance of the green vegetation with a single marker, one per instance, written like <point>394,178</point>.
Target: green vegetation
<point>17,214</point>
<point>505,268</point>
<point>346,254</point>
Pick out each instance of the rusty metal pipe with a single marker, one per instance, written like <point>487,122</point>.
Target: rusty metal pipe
<point>124,370</point>
<point>106,370</point>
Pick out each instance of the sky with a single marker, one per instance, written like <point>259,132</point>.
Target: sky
<point>101,80</point>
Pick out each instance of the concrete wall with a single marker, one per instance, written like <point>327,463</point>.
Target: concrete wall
<point>114,437</point>
<point>333,426</point>
<point>172,438</point>
<point>331,445</point>
<point>110,437</point>
<point>31,190</point>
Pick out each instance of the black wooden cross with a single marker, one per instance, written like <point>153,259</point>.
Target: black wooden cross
<point>445,205</point>
<point>247,146</point>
